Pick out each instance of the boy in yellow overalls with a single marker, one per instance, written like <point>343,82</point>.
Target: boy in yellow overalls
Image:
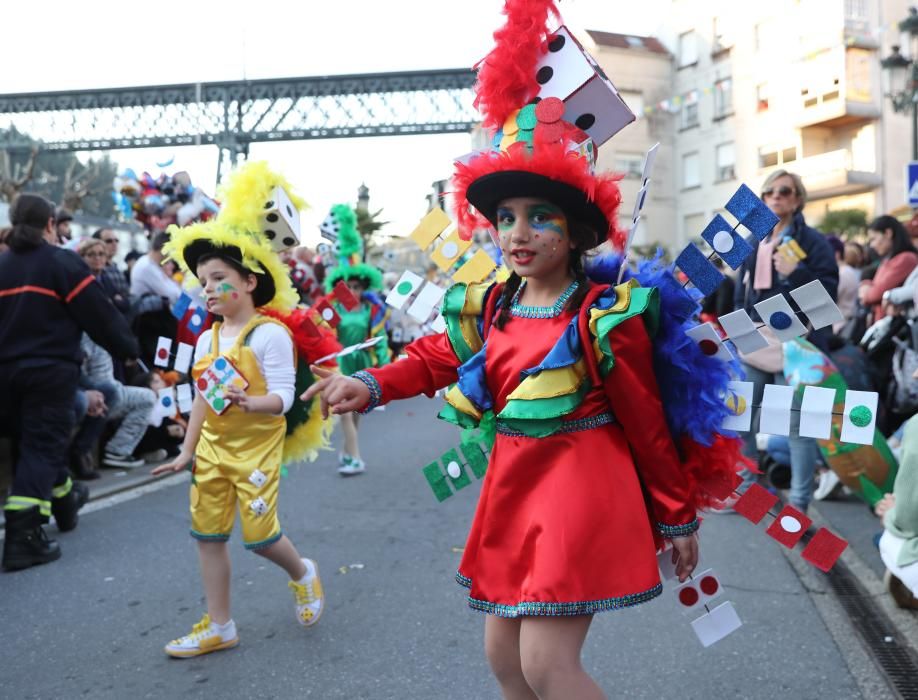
<point>237,442</point>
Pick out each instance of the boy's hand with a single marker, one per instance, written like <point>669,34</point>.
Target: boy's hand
<point>239,397</point>
<point>339,393</point>
<point>685,555</point>
<point>176,465</point>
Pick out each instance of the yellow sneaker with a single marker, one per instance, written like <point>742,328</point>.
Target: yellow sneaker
<point>204,638</point>
<point>309,598</point>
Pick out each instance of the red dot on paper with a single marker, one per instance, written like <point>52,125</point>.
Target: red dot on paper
<point>202,384</point>
<point>709,585</point>
<point>549,133</point>
<point>162,353</point>
<point>549,110</point>
<point>688,596</point>
<point>708,347</point>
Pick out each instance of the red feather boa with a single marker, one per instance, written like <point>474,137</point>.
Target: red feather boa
<point>552,160</point>
<point>507,75</point>
<point>711,470</point>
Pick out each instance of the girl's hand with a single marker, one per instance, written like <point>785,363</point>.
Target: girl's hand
<point>176,465</point>
<point>685,555</point>
<point>238,397</point>
<point>339,393</point>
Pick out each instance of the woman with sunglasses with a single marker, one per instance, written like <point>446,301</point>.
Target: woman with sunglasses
<point>772,270</point>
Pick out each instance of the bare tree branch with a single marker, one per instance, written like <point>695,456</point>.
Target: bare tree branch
<point>10,184</point>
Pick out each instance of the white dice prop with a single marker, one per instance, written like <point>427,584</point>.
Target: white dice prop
<point>258,478</point>
<point>591,102</point>
<point>258,506</point>
<point>330,228</point>
<point>280,222</point>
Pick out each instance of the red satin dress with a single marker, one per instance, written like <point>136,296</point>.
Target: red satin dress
<point>564,522</point>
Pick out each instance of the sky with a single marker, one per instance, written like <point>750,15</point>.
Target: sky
<point>102,43</point>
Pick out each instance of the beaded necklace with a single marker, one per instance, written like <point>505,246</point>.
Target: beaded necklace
<point>522,311</point>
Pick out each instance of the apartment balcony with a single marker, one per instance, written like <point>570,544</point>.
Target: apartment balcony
<point>835,173</point>
<point>839,87</point>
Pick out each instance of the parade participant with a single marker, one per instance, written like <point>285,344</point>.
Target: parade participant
<point>358,325</point>
<point>48,297</point>
<point>584,480</point>
<point>237,441</point>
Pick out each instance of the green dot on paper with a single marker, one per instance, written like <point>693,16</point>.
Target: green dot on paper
<point>861,416</point>
<point>404,288</point>
<point>219,404</point>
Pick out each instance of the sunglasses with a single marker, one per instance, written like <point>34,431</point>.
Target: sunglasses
<point>95,254</point>
<point>783,191</point>
<point>109,240</point>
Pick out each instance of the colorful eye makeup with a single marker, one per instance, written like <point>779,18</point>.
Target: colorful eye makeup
<point>545,218</point>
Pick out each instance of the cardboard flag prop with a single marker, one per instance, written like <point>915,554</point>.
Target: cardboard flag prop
<point>709,341</point>
<point>739,400</point>
<point>860,417</point>
<point>699,269</point>
<point>344,296</point>
<point>407,285</point>
<point>436,479</point>
<point>425,302</point>
<point>717,624</point>
<point>824,549</point>
<point>165,403</point>
<point>327,313</point>
<point>183,358</point>
<point>755,503</point>
<point>816,412</point>
<point>215,380</point>
<point>774,417</point>
<point>438,325</point>
<point>475,269</point>
<point>778,315</point>
<point>185,398</point>
<point>742,331</point>
<point>163,352</point>
<point>665,563</point>
<point>181,305</point>
<point>449,251</point>
<point>727,243</point>
<point>431,226</point>
<point>751,212</point>
<point>698,590</point>
<point>789,526</point>
<point>815,302</point>
<point>195,322</point>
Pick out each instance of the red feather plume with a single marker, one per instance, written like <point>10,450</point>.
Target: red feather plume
<point>310,347</point>
<point>507,75</point>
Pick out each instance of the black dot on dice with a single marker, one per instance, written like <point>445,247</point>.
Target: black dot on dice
<point>270,234</point>
<point>269,204</point>
<point>556,44</point>
<point>544,75</point>
<point>289,211</point>
<point>289,241</point>
<point>272,217</point>
<point>585,121</point>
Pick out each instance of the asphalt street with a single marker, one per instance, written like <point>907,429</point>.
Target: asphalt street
<point>396,625</point>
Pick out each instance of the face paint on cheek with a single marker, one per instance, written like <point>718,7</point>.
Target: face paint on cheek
<point>227,291</point>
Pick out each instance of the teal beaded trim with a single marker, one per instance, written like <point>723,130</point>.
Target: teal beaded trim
<point>558,609</point>
<point>570,426</point>
<point>555,309</point>
<point>373,386</point>
<point>463,580</point>
<point>677,530</point>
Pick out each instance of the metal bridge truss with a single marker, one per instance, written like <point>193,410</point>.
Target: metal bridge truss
<point>234,114</point>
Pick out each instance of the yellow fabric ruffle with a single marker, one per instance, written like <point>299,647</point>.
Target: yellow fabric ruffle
<point>550,383</point>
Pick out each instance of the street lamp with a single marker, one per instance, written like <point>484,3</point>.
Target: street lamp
<point>902,88</point>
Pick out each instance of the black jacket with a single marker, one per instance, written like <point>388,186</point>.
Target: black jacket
<point>48,297</point>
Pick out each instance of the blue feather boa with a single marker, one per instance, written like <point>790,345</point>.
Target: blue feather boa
<point>692,384</point>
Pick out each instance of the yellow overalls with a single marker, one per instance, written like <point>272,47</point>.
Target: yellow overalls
<point>238,458</point>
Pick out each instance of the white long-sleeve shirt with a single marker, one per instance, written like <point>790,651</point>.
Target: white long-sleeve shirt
<point>274,352</point>
<point>148,277</point>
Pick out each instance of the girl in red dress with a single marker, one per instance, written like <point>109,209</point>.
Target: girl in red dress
<point>584,481</point>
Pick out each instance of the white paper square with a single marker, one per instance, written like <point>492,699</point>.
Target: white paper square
<point>717,624</point>
<point>778,304</point>
<point>665,562</point>
<point>425,302</point>
<point>183,358</point>
<point>397,299</point>
<point>639,204</point>
<point>438,325</point>
<point>743,393</point>
<point>852,433</point>
<point>742,332</point>
<point>774,417</point>
<point>165,402</point>
<point>817,304</point>
<point>706,331</point>
<point>185,397</point>
<point>696,583</point>
<point>163,352</point>
<point>816,412</point>
<point>649,160</point>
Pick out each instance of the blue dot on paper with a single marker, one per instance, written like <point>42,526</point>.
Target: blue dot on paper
<point>779,321</point>
<point>167,401</point>
<point>220,363</point>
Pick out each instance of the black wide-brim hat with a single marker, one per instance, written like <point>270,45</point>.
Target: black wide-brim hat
<point>194,251</point>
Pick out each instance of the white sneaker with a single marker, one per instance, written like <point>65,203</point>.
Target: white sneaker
<point>204,638</point>
<point>309,597</point>
<point>829,486</point>
<point>122,461</point>
<point>159,455</point>
<point>351,466</point>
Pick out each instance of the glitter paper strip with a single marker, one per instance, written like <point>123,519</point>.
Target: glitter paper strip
<point>677,530</point>
<point>563,609</point>
<point>521,311</point>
